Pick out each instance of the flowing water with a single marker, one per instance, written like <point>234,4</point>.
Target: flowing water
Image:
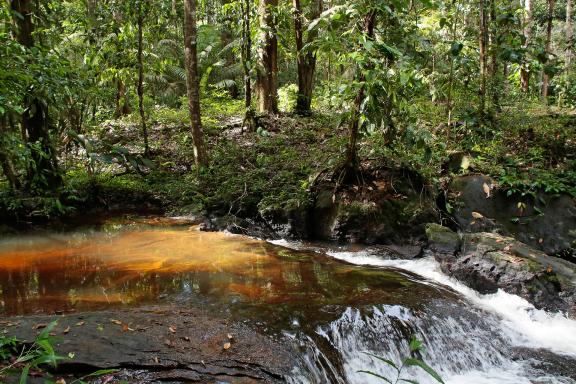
<point>331,306</point>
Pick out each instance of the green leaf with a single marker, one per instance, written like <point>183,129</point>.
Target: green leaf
<point>389,362</point>
<point>376,375</point>
<point>419,363</point>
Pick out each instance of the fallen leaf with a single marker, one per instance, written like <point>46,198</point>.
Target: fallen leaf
<point>540,241</point>
<point>66,330</point>
<point>506,248</point>
<point>126,328</point>
<point>549,269</point>
<point>230,337</point>
<point>80,323</point>
<point>40,326</point>
<point>186,338</point>
<point>477,215</point>
<point>486,188</point>
<point>118,322</point>
<point>227,346</point>
<point>60,381</point>
<point>203,363</point>
<point>156,359</point>
<point>172,329</point>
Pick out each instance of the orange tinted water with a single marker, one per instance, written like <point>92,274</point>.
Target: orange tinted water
<point>145,264</point>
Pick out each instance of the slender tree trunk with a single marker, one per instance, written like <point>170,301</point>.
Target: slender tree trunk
<point>43,171</point>
<point>306,60</point>
<point>494,72</point>
<point>524,72</point>
<point>449,105</point>
<point>192,84</point>
<point>569,35</point>
<point>351,162</point>
<point>249,122</point>
<point>141,78</point>
<point>267,69</point>
<point>545,76</point>
<point>483,55</point>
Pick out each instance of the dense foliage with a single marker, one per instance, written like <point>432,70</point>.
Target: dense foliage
<point>96,92</point>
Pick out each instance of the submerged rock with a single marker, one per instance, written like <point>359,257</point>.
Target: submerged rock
<point>488,262</point>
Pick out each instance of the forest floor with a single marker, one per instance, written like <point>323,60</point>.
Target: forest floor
<point>526,150</point>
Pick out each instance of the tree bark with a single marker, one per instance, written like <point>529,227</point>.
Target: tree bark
<point>569,34</point>
<point>122,105</point>
<point>267,69</point>
<point>483,55</point>
<point>494,72</point>
<point>249,122</point>
<point>43,171</point>
<point>6,162</point>
<point>351,162</point>
<point>140,88</point>
<point>545,76</point>
<point>524,72</point>
<point>192,84</point>
<point>306,60</point>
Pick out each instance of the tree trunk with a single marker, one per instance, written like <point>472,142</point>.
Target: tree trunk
<point>267,69</point>
<point>524,72</point>
<point>249,122</point>
<point>141,78</point>
<point>122,105</point>
<point>192,84</point>
<point>569,34</point>
<point>351,163</point>
<point>6,162</point>
<point>43,171</point>
<point>483,56</point>
<point>306,60</point>
<point>545,76</point>
<point>494,72</point>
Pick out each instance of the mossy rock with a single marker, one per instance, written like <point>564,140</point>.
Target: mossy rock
<point>442,239</point>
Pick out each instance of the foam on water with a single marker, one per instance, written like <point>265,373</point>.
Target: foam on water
<point>462,353</point>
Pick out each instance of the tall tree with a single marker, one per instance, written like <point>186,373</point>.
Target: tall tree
<point>524,72</point>
<point>249,122</point>
<point>140,89</point>
<point>351,162</point>
<point>483,54</point>
<point>43,170</point>
<point>192,84</point>
<point>546,76</point>
<point>267,69</point>
<point>306,60</point>
<point>569,34</point>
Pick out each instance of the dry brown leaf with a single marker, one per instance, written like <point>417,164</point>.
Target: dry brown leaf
<point>80,323</point>
<point>549,269</point>
<point>477,215</point>
<point>486,189</point>
<point>118,322</point>
<point>66,330</point>
<point>227,346</point>
<point>40,326</point>
<point>60,381</point>
<point>156,359</point>
<point>172,329</point>
<point>230,337</point>
<point>506,248</point>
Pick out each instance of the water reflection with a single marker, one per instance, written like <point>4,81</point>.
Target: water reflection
<point>120,267</point>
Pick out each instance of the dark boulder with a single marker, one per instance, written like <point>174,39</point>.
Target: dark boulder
<point>391,208</point>
<point>545,221</point>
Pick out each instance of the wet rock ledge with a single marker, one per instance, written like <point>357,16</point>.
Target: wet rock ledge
<point>161,344</point>
<point>487,262</point>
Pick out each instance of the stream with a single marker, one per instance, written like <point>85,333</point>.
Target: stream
<point>327,306</point>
